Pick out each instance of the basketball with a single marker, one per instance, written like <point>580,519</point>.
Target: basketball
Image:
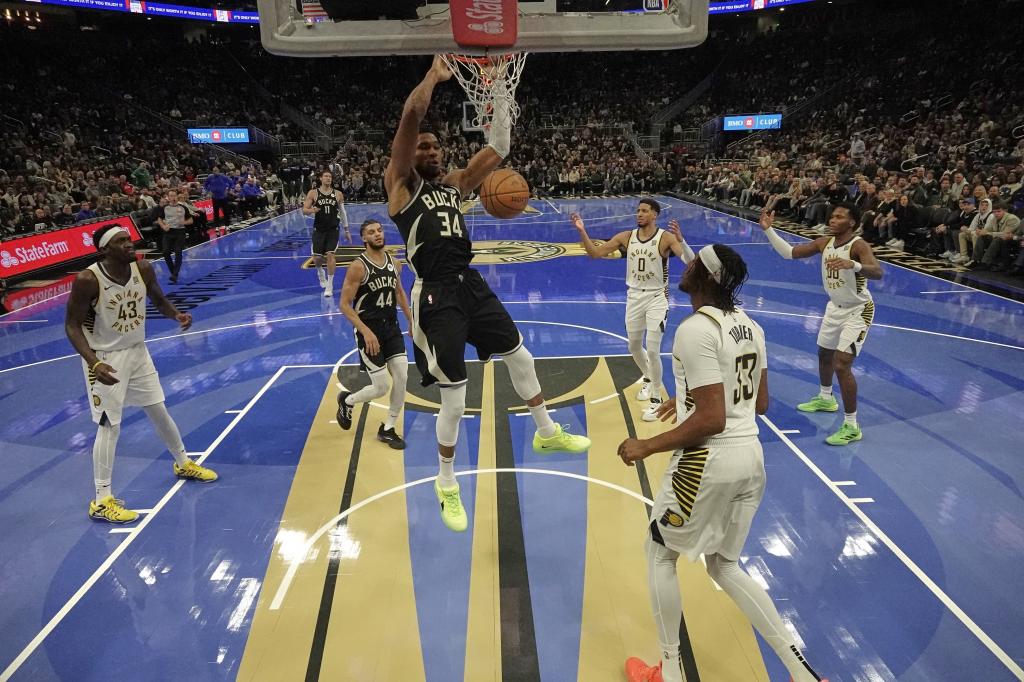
<point>504,193</point>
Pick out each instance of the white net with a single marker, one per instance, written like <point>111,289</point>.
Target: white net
<point>489,81</point>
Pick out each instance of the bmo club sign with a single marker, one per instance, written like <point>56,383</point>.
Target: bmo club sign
<point>38,251</point>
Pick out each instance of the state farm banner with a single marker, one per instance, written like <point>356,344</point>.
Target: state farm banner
<point>44,250</point>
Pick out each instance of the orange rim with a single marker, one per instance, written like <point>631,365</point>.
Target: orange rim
<point>483,61</point>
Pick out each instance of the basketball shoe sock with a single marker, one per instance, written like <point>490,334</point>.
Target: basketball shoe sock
<point>446,475</point>
<point>541,417</point>
<point>826,392</point>
<point>399,369</point>
<point>321,275</point>
<point>168,431</point>
<point>850,418</point>
<point>103,449</point>
<point>755,603</point>
<point>523,373</point>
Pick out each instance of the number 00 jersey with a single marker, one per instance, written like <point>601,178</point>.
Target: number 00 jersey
<point>117,317</point>
<point>646,270</point>
<point>845,288</point>
<point>712,347</point>
<point>436,242</point>
<point>376,295</point>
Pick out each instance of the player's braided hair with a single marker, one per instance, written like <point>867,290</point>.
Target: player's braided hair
<point>724,293</point>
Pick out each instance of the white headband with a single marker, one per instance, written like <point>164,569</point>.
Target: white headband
<point>110,234</point>
<point>710,260</point>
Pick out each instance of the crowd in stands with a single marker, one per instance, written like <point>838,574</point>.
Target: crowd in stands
<point>877,110</point>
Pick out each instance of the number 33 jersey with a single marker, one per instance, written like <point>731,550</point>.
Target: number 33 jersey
<point>117,317</point>
<point>716,347</point>
<point>436,241</point>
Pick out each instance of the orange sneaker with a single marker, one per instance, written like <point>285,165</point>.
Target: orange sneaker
<point>638,671</point>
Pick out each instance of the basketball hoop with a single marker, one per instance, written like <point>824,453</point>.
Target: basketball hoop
<point>487,78</point>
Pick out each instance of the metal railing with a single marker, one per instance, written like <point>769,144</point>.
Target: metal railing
<point>1018,132</point>
<point>909,164</point>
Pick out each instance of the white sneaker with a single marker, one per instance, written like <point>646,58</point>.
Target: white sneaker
<point>651,413</point>
<point>891,241</point>
<point>946,255</point>
<point>328,292</point>
<point>645,391</point>
<point>898,245</point>
<point>958,259</point>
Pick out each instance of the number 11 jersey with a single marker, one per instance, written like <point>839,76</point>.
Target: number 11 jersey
<point>436,242</point>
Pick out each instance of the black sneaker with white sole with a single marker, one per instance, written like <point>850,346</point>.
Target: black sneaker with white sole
<point>344,411</point>
<point>389,436</point>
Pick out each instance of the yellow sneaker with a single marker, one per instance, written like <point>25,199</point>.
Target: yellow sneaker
<point>111,509</point>
<point>195,472</point>
<point>452,512</point>
<point>562,441</point>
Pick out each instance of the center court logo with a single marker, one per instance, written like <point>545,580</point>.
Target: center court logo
<point>504,252</point>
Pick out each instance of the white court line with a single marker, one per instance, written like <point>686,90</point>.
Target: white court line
<point>838,484</point>
<point>22,321</point>
<point>552,205</point>
<point>989,643</point>
<point>132,534</point>
<point>601,400</point>
<point>122,530</point>
<point>788,431</point>
<point>300,557</point>
<point>231,411</point>
<point>950,291</point>
<point>861,500</point>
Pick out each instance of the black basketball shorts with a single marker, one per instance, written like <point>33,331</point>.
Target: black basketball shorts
<point>389,338</point>
<point>325,241</point>
<point>449,313</point>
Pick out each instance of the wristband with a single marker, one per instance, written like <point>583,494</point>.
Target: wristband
<point>95,365</point>
<point>857,266</point>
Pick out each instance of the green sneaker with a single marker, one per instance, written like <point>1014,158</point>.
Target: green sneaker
<point>819,404</point>
<point>452,512</point>
<point>562,441</point>
<point>845,435</point>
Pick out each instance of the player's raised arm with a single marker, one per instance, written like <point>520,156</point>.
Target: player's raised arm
<point>596,250</point>
<point>403,147</point>
<point>499,144</point>
<point>676,243</point>
<point>784,248</point>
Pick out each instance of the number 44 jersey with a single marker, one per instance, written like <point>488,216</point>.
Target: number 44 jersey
<point>117,317</point>
<point>375,296</point>
<point>712,347</point>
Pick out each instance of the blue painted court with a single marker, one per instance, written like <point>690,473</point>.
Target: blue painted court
<point>318,555</point>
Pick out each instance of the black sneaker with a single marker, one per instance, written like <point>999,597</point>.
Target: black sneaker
<point>344,411</point>
<point>389,436</point>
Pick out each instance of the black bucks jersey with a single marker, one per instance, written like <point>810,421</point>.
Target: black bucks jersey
<point>436,241</point>
<point>327,217</point>
<point>376,297</point>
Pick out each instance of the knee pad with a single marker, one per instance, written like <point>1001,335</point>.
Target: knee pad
<point>453,405</point>
<point>524,376</point>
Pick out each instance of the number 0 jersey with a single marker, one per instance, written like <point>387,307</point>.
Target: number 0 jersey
<point>376,295</point>
<point>845,288</point>
<point>646,269</point>
<point>117,317</point>
<point>436,241</point>
<point>712,347</point>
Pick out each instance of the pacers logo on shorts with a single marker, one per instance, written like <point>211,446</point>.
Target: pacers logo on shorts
<point>670,518</point>
<point>95,400</point>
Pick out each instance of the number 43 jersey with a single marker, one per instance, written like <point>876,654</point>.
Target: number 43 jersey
<point>117,317</point>
<point>436,241</point>
<point>712,347</point>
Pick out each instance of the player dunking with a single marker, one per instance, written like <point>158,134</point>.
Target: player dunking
<point>715,478</point>
<point>647,249</point>
<point>847,263</point>
<point>369,295</point>
<point>106,324</point>
<point>451,302</point>
<point>325,204</point>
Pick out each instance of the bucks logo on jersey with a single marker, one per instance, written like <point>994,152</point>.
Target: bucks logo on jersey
<point>375,297</point>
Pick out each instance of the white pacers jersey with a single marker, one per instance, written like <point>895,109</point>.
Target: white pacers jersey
<point>845,288</point>
<point>712,347</point>
<point>117,318</point>
<point>646,269</point>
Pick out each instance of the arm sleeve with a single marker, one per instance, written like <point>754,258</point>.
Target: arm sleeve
<point>344,213</point>
<point>688,254</point>
<point>781,246</point>
<point>500,134</point>
<point>697,349</point>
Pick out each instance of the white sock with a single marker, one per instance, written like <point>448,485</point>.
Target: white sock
<point>542,418</point>
<point>389,423</point>
<point>850,418</point>
<point>330,282</point>
<point>399,369</point>
<point>825,392</point>
<point>446,474</point>
<point>757,606</point>
<point>320,274</point>
<point>168,431</point>
<point>103,458</point>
